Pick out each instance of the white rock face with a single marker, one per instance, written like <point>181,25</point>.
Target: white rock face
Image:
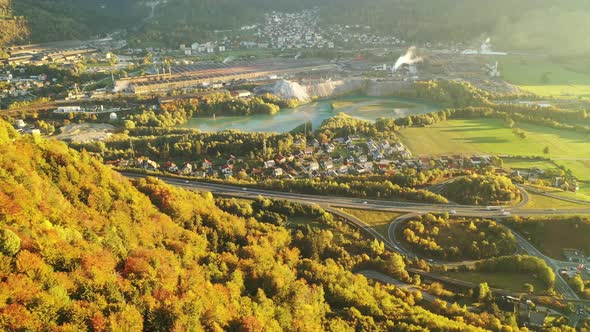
<point>290,90</point>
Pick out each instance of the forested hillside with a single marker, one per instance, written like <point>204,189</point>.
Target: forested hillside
<point>51,20</point>
<point>83,249</point>
<point>12,29</point>
<point>529,24</point>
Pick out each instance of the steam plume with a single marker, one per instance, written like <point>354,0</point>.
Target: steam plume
<point>407,59</point>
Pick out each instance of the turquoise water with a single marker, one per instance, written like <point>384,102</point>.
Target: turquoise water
<point>366,108</point>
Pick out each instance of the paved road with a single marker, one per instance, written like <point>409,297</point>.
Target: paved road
<point>413,209</point>
<point>359,203</point>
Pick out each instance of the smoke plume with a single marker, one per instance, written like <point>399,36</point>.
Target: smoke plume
<point>408,59</point>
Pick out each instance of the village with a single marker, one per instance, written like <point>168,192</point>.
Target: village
<point>343,156</point>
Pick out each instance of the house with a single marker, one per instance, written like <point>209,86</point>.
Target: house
<point>187,169</point>
<point>328,164</point>
<point>343,169</point>
<point>149,165</point>
<point>363,158</point>
<point>170,167</point>
<point>309,151</point>
<point>314,166</point>
<point>368,166</point>
<point>406,154</point>
<point>376,155</point>
<point>270,164</point>
<point>343,140</point>
<point>332,173</point>
<point>399,147</point>
<point>349,159</point>
<point>330,148</point>
<point>227,170</point>
<point>277,172</point>
<point>207,164</point>
<point>280,159</point>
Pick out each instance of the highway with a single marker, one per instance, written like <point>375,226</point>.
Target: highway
<point>359,203</point>
<point>331,204</point>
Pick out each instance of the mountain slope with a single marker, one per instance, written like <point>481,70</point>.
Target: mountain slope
<point>82,248</point>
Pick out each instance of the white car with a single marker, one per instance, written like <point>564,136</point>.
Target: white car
<point>453,212</point>
<point>505,213</point>
<point>365,202</point>
<point>245,189</point>
<point>186,181</point>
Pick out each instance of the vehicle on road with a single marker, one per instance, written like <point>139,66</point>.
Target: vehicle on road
<point>506,213</point>
<point>453,212</point>
<point>365,202</point>
<point>186,181</point>
<point>244,189</point>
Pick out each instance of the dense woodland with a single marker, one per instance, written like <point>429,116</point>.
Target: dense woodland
<point>482,190</point>
<point>457,240</point>
<point>83,249</point>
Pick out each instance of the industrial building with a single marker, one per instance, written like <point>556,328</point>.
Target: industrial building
<point>211,74</point>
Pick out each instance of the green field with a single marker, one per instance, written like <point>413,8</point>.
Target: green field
<point>541,202</point>
<point>502,280</point>
<point>547,76</point>
<point>523,163</point>
<point>491,136</point>
<point>378,220</point>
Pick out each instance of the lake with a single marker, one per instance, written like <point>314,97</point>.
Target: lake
<point>366,108</point>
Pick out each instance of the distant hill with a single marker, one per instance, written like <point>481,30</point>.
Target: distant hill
<point>527,24</point>
<point>13,29</point>
<point>50,20</point>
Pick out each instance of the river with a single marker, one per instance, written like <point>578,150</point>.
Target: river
<point>366,108</point>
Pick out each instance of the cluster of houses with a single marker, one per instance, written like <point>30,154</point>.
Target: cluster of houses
<point>209,47</point>
<point>294,30</point>
<point>14,86</point>
<point>537,176</point>
<point>360,36</point>
<point>340,157</point>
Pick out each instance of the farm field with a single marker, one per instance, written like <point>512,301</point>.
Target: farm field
<point>378,220</point>
<point>502,280</point>
<point>491,136</point>
<point>547,76</point>
<point>523,163</point>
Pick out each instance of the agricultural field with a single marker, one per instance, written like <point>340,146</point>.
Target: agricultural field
<point>491,136</point>
<point>502,280</point>
<point>547,76</point>
<point>378,220</point>
<point>524,163</point>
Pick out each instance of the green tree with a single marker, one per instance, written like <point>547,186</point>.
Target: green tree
<point>9,242</point>
<point>484,293</point>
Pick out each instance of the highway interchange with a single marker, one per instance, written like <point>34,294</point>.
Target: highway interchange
<point>333,205</point>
